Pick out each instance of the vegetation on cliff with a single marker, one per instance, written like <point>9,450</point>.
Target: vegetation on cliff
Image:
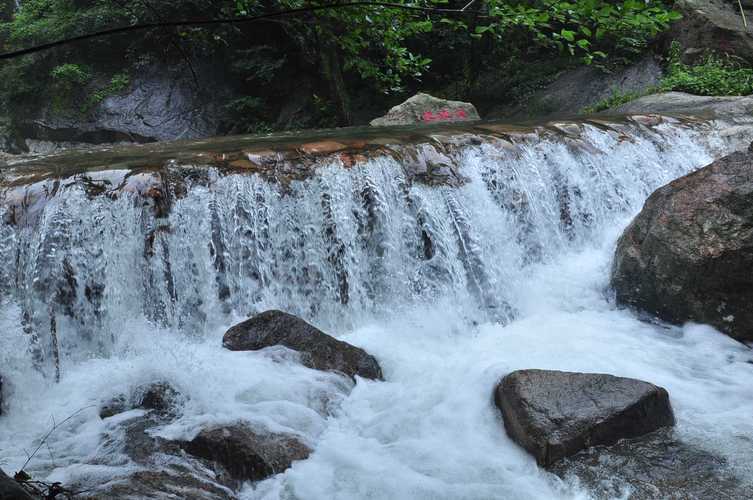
<point>348,59</point>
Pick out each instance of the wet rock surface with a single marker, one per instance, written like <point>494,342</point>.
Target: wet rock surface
<point>247,454</point>
<point>318,350</point>
<point>169,483</point>
<point>426,109</point>
<point>11,490</point>
<point>555,414</point>
<point>657,465</point>
<point>687,255</point>
<point>161,397</point>
<point>163,470</point>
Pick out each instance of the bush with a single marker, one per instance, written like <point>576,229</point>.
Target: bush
<point>715,75</point>
<point>69,75</point>
<point>616,99</point>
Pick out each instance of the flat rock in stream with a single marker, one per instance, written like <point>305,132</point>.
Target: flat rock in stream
<point>247,454</point>
<point>555,414</point>
<point>318,350</point>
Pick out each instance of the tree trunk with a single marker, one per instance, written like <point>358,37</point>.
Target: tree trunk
<point>332,70</point>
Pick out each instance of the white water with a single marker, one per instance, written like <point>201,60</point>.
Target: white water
<point>507,285</point>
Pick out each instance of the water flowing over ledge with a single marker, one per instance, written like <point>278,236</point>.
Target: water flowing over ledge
<point>345,232</point>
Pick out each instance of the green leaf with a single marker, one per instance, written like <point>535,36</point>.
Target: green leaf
<point>568,35</point>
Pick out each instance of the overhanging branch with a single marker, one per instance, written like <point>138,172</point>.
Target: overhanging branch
<point>233,20</point>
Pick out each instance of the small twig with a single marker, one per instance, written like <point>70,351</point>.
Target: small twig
<point>49,433</point>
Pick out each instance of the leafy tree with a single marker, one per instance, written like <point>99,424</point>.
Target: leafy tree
<point>378,50</point>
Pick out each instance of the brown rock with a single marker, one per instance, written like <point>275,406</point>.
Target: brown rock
<point>245,453</point>
<point>688,255</point>
<point>318,350</point>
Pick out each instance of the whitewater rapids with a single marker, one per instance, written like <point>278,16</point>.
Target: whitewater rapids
<point>448,287</point>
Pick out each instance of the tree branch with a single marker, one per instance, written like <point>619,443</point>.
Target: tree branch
<point>233,20</point>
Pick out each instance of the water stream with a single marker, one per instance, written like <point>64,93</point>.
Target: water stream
<point>450,287</point>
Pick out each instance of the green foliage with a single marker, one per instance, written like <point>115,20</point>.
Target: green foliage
<point>376,50</point>
<point>118,84</point>
<point>70,75</point>
<point>714,75</point>
<point>617,98</point>
<point>594,30</point>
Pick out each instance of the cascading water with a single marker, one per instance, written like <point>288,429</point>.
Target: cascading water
<point>449,286</point>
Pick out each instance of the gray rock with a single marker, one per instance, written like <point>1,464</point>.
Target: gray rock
<point>555,414</point>
<point>318,350</point>
<point>167,483</point>
<point>160,397</point>
<point>11,490</point>
<point>247,454</point>
<point>158,105</point>
<point>656,465</point>
<point>687,256</point>
<point>680,103</point>
<point>581,87</point>
<point>424,109</point>
<point>714,25</point>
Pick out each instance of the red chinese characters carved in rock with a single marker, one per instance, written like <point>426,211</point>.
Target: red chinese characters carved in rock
<point>443,115</point>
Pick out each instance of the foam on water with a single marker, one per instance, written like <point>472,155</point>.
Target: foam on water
<point>449,287</point>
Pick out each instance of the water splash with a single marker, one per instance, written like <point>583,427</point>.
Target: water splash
<point>116,290</point>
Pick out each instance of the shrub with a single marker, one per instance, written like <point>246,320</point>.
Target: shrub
<point>714,75</point>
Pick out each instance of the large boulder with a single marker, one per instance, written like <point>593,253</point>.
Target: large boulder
<point>425,109</point>
<point>715,25</point>
<point>578,88</point>
<point>245,453</point>
<point>688,254</point>
<point>158,104</point>
<point>318,350</point>
<point>11,490</point>
<point>555,414</point>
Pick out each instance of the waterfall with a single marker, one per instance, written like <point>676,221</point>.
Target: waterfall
<point>347,247</point>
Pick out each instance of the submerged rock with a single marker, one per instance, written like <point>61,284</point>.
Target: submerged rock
<point>160,397</point>
<point>687,256</point>
<point>426,109</point>
<point>656,465</point>
<point>11,490</point>
<point>555,414</point>
<point>318,350</point>
<point>247,454</point>
<point>171,482</point>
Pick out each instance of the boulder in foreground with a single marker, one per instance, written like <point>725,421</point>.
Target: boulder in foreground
<point>245,453</point>
<point>11,490</point>
<point>318,350</point>
<point>555,414</point>
<point>423,109</point>
<point>688,254</point>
